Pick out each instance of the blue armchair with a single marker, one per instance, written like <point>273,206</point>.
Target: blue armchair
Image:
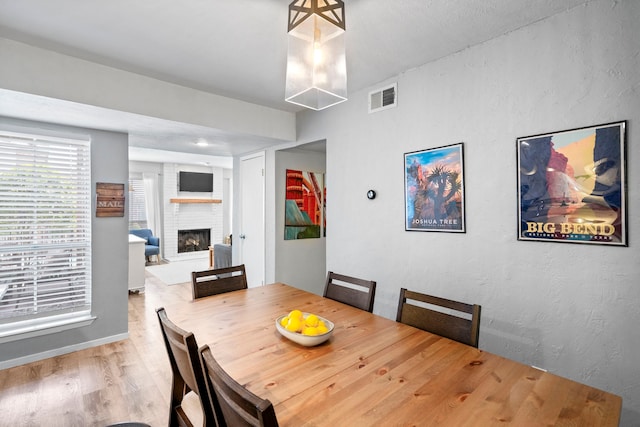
<point>152,245</point>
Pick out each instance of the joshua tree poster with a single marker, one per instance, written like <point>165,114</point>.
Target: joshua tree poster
<point>572,186</point>
<point>434,189</point>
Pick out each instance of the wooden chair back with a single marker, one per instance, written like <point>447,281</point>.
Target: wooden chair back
<point>187,372</point>
<point>452,319</point>
<point>350,290</point>
<point>218,281</point>
<point>238,406</point>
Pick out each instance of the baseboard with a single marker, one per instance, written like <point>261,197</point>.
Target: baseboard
<point>6,364</point>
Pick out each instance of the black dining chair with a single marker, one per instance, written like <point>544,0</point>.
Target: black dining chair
<point>238,407</point>
<point>187,373</point>
<point>356,292</point>
<point>217,281</point>
<point>451,319</point>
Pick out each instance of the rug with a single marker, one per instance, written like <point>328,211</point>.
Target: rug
<point>175,272</point>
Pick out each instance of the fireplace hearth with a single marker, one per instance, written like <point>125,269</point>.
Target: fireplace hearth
<point>194,240</point>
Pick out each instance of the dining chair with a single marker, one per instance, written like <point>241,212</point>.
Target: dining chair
<point>218,281</point>
<point>356,292</point>
<point>237,405</point>
<point>187,373</point>
<point>451,319</point>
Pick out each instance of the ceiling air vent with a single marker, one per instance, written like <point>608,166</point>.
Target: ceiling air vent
<point>384,98</point>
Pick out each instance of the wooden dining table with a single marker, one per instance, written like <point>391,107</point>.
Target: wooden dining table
<point>374,371</point>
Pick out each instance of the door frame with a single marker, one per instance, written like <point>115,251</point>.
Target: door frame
<point>240,228</point>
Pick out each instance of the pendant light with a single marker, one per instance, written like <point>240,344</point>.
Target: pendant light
<point>316,62</point>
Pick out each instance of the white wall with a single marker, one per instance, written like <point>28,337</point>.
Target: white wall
<point>42,72</point>
<point>299,263</point>
<point>214,216</point>
<point>572,309</point>
<point>181,216</point>
<point>109,253</point>
<point>145,167</point>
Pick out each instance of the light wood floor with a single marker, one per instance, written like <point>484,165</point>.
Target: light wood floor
<point>127,380</point>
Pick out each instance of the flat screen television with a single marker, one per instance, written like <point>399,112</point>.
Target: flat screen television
<point>195,182</point>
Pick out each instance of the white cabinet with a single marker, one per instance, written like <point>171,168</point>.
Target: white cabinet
<point>136,263</point>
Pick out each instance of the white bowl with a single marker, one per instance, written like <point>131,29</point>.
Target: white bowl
<point>305,340</point>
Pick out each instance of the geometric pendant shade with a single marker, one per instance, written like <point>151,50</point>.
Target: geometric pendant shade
<point>316,61</point>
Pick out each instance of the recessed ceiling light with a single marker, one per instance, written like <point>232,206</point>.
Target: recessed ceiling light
<point>202,143</point>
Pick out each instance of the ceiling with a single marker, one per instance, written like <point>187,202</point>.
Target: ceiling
<point>237,49</point>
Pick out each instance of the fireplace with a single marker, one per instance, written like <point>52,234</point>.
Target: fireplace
<point>194,240</point>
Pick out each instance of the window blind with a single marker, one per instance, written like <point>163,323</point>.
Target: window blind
<point>45,227</point>
<point>137,208</point>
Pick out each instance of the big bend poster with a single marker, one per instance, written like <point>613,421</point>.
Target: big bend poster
<point>572,186</point>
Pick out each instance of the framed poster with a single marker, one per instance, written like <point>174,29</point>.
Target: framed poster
<point>434,189</point>
<point>303,205</point>
<point>572,186</point>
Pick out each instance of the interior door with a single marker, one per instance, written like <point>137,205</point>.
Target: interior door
<point>252,228</point>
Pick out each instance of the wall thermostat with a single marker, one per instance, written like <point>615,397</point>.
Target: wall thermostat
<point>371,194</point>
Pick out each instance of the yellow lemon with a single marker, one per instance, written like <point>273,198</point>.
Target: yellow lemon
<point>321,324</point>
<point>294,324</point>
<point>311,320</point>
<point>322,329</point>
<point>310,330</point>
<point>284,321</point>
<point>297,314</point>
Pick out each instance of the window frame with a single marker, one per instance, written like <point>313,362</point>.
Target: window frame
<point>137,205</point>
<point>75,243</point>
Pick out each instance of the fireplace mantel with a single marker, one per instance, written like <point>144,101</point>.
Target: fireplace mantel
<point>195,200</point>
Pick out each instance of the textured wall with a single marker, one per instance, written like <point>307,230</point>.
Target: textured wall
<point>572,309</point>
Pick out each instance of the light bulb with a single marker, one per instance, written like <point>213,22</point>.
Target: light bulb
<point>317,43</point>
